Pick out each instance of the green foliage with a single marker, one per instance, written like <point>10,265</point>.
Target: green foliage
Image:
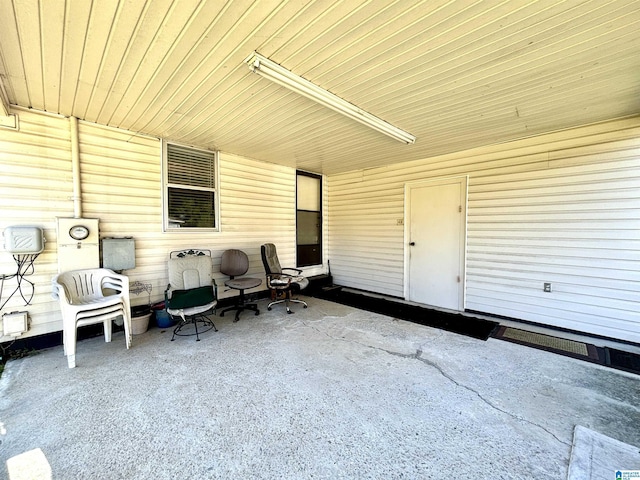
<point>7,355</point>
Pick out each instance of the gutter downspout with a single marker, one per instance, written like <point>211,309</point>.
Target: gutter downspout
<point>4,109</point>
<point>75,168</point>
<point>4,103</point>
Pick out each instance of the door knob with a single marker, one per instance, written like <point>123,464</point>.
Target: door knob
<point>413,244</point>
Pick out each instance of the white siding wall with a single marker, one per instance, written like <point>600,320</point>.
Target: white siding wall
<point>562,208</point>
<point>35,188</point>
<point>121,177</point>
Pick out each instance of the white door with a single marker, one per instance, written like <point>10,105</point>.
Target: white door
<point>436,222</point>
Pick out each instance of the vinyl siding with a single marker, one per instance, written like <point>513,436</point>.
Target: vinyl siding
<point>562,208</point>
<point>121,179</point>
<point>35,188</point>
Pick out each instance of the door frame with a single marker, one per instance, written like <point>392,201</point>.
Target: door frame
<point>463,180</point>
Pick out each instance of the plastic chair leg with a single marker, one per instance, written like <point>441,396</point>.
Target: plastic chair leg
<point>107,330</point>
<point>127,328</point>
<point>70,346</point>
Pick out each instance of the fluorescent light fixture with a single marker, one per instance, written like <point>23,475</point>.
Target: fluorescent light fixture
<point>280,75</point>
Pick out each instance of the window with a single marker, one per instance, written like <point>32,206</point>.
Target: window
<point>308,219</point>
<point>191,188</point>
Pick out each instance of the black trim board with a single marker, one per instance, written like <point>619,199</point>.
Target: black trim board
<point>453,322</point>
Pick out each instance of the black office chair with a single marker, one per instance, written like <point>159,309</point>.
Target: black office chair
<point>235,263</point>
<point>191,292</point>
<point>279,283</point>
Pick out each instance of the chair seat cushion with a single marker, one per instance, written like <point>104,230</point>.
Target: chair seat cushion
<point>243,283</point>
<point>191,298</point>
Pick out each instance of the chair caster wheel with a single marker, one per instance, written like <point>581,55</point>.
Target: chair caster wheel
<point>222,314</point>
<point>269,308</point>
<point>289,312</point>
<point>305,306</point>
<point>257,312</point>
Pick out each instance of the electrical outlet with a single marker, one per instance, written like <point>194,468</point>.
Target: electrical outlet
<point>547,287</point>
<point>14,324</point>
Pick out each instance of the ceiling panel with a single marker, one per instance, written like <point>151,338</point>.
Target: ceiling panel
<point>455,73</point>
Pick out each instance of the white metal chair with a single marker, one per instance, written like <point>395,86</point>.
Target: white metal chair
<point>192,291</point>
<point>90,296</point>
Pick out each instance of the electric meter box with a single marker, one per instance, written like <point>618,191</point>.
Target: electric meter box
<point>78,243</point>
<point>23,239</point>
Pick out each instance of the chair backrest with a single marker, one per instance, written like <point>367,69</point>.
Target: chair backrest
<point>270,259</point>
<point>190,272</point>
<point>234,263</point>
<point>88,284</point>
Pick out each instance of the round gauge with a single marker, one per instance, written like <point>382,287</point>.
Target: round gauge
<point>78,232</point>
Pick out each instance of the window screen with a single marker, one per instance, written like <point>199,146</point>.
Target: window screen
<point>191,188</point>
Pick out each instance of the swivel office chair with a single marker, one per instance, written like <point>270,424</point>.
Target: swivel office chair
<point>280,283</point>
<point>235,263</point>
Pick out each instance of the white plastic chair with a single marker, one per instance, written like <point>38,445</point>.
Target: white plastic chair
<point>91,296</point>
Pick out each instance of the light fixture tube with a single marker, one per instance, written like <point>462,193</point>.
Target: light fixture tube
<point>280,75</point>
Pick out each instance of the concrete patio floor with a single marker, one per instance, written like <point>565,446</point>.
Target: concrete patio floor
<point>328,392</point>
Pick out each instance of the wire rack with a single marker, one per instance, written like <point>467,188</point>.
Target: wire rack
<point>138,287</point>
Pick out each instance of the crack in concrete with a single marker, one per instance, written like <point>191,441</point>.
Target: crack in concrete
<point>418,356</point>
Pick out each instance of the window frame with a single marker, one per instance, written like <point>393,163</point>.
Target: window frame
<point>320,243</point>
<point>166,186</point>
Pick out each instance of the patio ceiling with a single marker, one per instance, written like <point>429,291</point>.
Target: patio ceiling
<point>456,74</point>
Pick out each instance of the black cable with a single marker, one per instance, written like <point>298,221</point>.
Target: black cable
<point>26,267</point>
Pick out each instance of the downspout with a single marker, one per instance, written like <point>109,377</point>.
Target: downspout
<point>4,103</point>
<point>7,119</point>
<point>75,168</point>
<point>4,109</point>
